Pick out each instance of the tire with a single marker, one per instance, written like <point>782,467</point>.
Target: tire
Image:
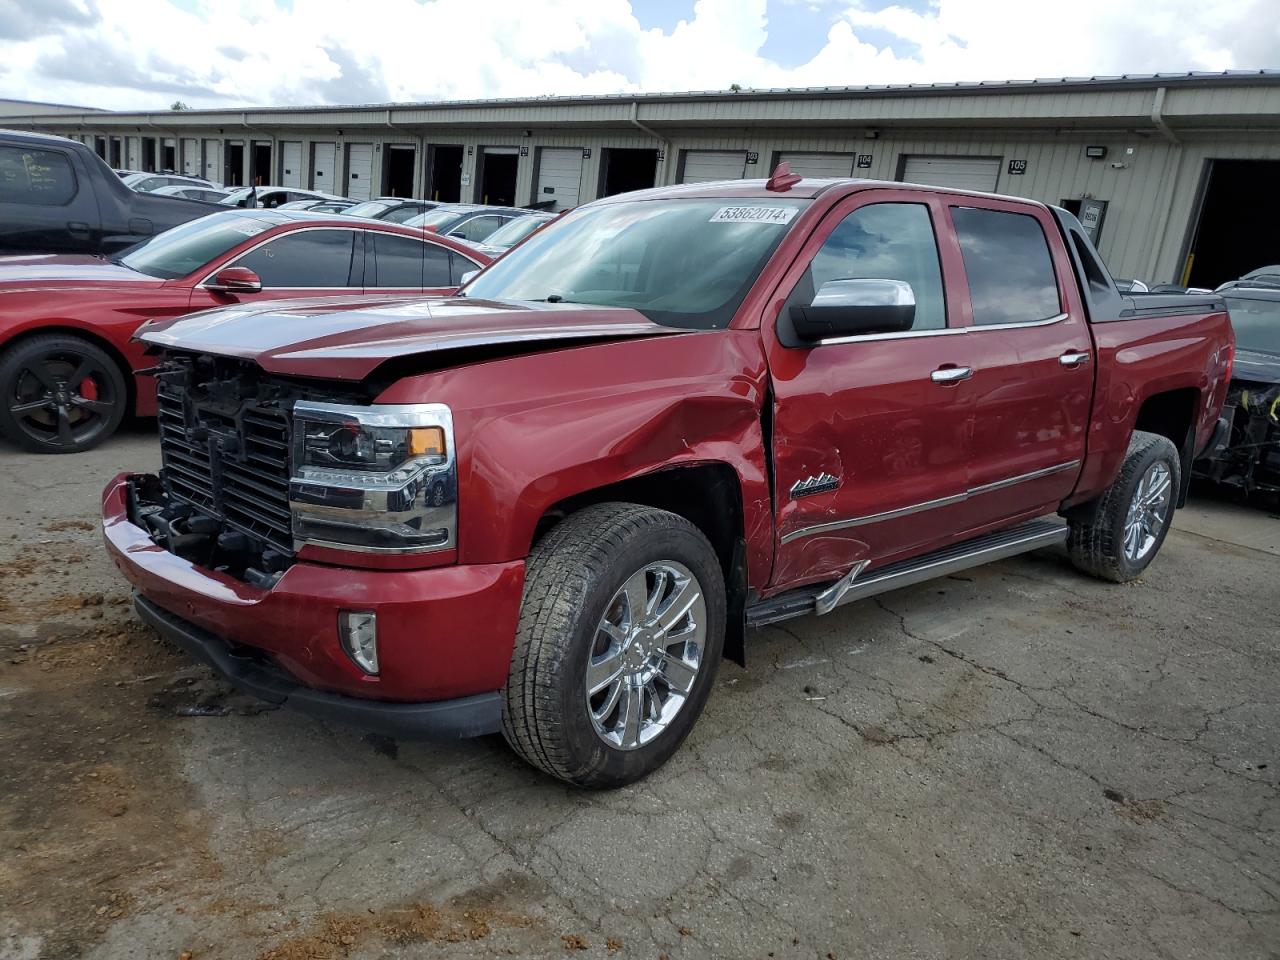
<point>59,394</point>
<point>1102,547</point>
<point>574,594</point>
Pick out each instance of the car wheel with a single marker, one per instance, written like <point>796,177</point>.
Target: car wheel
<point>59,394</point>
<point>620,636</point>
<point>1135,513</point>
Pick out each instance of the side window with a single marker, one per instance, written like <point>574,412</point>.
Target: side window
<point>883,241</point>
<point>459,267</point>
<point>35,176</point>
<point>477,228</point>
<point>405,262</point>
<point>1007,261</point>
<point>312,258</point>
<point>401,214</point>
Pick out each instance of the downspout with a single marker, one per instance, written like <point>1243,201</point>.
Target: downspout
<point>1172,162</point>
<point>635,122</point>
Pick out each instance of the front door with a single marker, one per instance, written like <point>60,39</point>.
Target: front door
<point>1033,367</point>
<point>871,433</point>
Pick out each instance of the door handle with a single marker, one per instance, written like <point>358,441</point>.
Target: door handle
<point>77,228</point>
<point>947,375</point>
<point>1073,358</point>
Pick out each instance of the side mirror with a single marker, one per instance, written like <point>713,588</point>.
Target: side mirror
<point>849,308</point>
<point>458,234</point>
<point>235,280</point>
<point>466,277</point>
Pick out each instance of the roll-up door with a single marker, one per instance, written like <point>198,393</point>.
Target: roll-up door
<point>213,161</point>
<point>960,173</point>
<point>359,171</point>
<point>819,164</point>
<point>191,157</point>
<point>324,159</point>
<point>703,165</point>
<point>291,163</point>
<point>559,177</point>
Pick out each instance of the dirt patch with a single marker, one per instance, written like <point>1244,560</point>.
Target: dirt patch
<point>335,934</point>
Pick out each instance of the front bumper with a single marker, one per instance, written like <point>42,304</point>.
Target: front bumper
<point>444,634</point>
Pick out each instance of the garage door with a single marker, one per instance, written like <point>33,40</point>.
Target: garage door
<point>703,165</point>
<point>213,160</point>
<point>291,163</point>
<point>191,157</point>
<point>359,171</point>
<point>559,177</point>
<point>961,173</point>
<point>819,164</point>
<point>324,158</point>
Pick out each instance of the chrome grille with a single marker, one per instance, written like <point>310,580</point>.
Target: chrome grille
<point>233,467</point>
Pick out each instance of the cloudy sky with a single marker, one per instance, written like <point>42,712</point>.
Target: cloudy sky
<point>144,54</point>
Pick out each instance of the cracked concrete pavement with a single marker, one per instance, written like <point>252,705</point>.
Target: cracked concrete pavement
<point>1016,761</point>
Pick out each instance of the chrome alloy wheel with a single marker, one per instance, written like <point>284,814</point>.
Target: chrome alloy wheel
<point>646,655</point>
<point>1148,511</point>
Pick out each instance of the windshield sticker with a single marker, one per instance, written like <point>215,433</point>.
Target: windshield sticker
<point>754,215</point>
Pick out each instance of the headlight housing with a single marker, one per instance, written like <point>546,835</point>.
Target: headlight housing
<point>381,478</point>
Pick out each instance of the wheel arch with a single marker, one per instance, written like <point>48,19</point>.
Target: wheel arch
<point>1174,414</point>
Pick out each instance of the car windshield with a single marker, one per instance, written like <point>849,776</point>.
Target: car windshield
<point>513,232</point>
<point>681,263</point>
<point>370,208</point>
<point>440,218</point>
<point>1256,323</point>
<point>189,246</point>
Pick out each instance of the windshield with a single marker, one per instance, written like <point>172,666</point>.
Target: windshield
<point>513,232</point>
<point>370,208</point>
<point>189,246</point>
<point>439,218</point>
<point>1256,323</point>
<point>681,263</point>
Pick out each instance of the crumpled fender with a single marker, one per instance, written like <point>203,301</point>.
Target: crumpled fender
<point>537,429</point>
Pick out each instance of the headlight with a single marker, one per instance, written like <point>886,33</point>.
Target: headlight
<point>379,478</point>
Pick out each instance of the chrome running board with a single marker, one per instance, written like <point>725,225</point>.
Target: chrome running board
<point>854,586</point>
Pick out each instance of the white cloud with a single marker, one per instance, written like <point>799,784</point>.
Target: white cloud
<point>145,53</point>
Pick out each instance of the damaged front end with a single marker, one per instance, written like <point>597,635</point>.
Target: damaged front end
<point>221,500</point>
<point>1250,460</point>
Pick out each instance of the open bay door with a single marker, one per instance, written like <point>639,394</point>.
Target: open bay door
<point>959,173</point>
<point>559,177</point>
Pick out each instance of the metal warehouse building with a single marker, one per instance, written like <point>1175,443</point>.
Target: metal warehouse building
<point>1177,176</point>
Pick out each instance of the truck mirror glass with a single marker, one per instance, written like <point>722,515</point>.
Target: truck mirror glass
<point>847,308</point>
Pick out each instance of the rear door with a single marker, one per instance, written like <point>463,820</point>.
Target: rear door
<point>1032,361</point>
<point>870,450</point>
<point>48,201</point>
<point>396,264</point>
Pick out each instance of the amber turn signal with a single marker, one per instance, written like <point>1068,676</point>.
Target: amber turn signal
<point>424,441</point>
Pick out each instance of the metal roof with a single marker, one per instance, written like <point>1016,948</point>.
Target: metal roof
<point>1226,77</point>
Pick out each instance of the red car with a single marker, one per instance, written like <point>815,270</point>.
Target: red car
<point>68,366</point>
<point>550,505</point>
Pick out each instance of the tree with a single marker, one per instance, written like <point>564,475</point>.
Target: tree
<point>735,87</point>
<point>178,105</point>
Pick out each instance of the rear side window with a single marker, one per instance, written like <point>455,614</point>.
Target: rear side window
<point>477,228</point>
<point>1007,261</point>
<point>35,176</point>
<point>312,258</point>
<point>405,262</point>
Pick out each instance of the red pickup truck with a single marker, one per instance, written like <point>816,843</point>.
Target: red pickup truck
<point>551,504</point>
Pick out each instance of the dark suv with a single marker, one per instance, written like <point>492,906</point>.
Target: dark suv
<point>58,196</point>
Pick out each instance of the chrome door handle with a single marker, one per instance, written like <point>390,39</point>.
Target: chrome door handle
<point>1073,358</point>
<point>951,374</point>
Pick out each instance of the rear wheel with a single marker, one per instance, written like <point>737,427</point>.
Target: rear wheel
<point>1135,513</point>
<point>59,394</point>
<point>621,632</point>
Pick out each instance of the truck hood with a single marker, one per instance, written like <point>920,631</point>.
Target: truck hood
<point>39,270</point>
<point>347,339</point>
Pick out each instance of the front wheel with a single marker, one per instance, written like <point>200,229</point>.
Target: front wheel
<point>621,633</point>
<point>59,394</point>
<point>1135,513</point>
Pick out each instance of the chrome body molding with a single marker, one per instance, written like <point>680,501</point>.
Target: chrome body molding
<point>942,331</point>
<point>928,504</point>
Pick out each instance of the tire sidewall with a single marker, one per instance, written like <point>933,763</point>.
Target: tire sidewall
<point>1140,464</point>
<point>608,765</point>
<point>16,358</point>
